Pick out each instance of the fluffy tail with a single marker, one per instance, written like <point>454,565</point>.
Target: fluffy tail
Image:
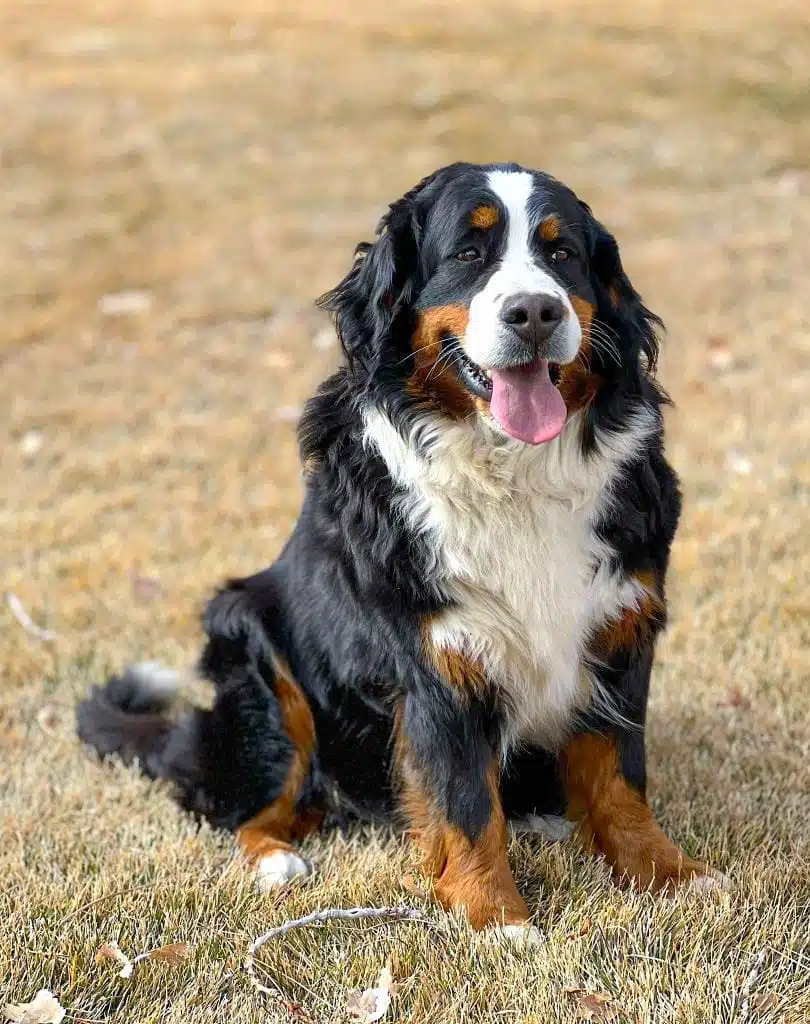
<point>227,763</point>
<point>132,717</point>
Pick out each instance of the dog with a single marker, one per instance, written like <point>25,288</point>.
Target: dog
<point>460,631</point>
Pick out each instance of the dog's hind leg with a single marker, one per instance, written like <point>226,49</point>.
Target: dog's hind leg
<point>247,764</point>
<point>266,837</point>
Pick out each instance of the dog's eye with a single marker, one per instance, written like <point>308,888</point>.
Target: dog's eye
<point>468,255</point>
<point>562,254</point>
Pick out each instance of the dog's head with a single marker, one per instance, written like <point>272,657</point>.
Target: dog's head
<point>492,291</point>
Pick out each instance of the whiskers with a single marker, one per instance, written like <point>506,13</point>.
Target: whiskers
<point>604,341</point>
<point>445,357</point>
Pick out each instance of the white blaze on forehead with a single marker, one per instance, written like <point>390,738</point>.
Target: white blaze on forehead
<point>486,339</point>
<point>514,189</point>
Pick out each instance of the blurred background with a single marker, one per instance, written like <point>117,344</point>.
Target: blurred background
<point>178,183</point>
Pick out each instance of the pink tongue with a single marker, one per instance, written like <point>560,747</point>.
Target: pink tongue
<point>526,403</point>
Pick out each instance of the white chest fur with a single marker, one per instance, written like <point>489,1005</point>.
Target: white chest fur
<point>515,549</point>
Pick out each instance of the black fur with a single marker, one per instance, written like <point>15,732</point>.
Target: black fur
<point>345,602</point>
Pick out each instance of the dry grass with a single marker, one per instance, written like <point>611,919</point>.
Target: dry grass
<point>224,159</point>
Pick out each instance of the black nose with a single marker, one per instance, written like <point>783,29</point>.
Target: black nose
<point>534,318</point>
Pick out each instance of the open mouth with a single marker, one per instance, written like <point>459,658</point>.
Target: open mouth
<point>472,376</point>
<point>524,400</point>
<point>476,379</point>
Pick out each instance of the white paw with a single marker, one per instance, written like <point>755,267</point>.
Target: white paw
<point>551,827</point>
<point>714,880</point>
<point>280,867</point>
<point>519,934</point>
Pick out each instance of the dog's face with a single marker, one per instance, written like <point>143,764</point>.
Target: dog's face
<point>494,293</point>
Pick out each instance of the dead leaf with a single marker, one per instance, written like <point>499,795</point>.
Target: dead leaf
<point>127,303</point>
<point>368,1006</point>
<point>386,978</point>
<point>719,354</point>
<point>397,972</point>
<point>175,953</point>
<point>107,952</point>
<point>585,927</point>
<point>594,1006</point>
<point>762,1001</point>
<point>48,718</point>
<point>31,442</point>
<point>111,951</point>
<point>44,1008</point>
<point>146,588</point>
<point>298,1012</point>
<point>373,1003</point>
<point>734,698</point>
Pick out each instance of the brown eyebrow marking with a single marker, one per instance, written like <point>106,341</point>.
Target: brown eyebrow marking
<point>549,228</point>
<point>484,217</point>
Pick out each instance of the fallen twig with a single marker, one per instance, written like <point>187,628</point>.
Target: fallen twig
<point>321,917</point>
<point>25,620</point>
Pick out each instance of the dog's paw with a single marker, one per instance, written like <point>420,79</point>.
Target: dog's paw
<point>517,935</point>
<point>711,880</point>
<point>551,827</point>
<point>702,879</point>
<point>279,868</point>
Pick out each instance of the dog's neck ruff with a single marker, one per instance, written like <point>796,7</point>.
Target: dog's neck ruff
<point>514,551</point>
<point>474,461</point>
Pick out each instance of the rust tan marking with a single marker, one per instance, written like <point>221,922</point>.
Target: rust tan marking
<point>549,229</point>
<point>584,311</point>
<point>307,821</point>
<point>457,669</point>
<point>439,387</point>
<point>615,820</point>
<point>256,839</point>
<point>476,875</point>
<point>482,405</point>
<point>578,385</point>
<point>274,826</point>
<point>635,624</point>
<point>484,217</point>
<point>613,295</point>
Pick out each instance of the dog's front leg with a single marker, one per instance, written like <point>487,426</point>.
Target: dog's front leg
<point>604,766</point>
<point>448,746</point>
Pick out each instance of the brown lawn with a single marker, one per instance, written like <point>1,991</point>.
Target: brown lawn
<point>220,161</point>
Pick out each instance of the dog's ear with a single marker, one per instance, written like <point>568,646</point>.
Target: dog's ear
<point>619,304</point>
<point>382,281</point>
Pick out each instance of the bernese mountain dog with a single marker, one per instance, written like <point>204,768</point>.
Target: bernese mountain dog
<point>460,631</point>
